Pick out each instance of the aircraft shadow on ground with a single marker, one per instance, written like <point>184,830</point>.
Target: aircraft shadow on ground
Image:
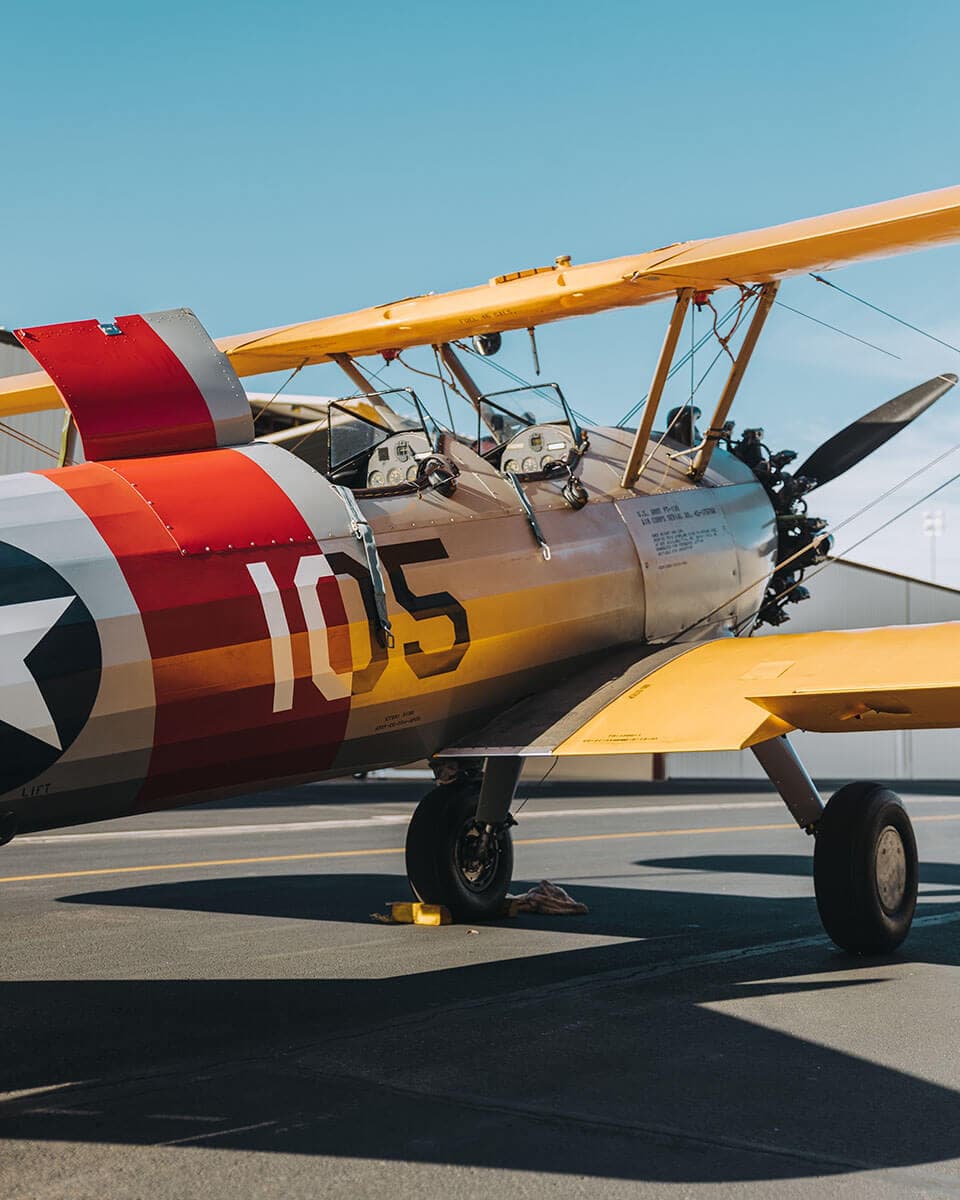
<point>639,1078</point>
<point>932,874</point>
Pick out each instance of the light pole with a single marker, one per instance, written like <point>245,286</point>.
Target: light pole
<point>933,529</point>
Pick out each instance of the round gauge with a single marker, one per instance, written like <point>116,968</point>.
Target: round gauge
<point>394,475</point>
<point>402,451</point>
<point>529,464</point>
<point>412,473</point>
<point>545,462</point>
<point>536,441</point>
<point>376,479</point>
<point>512,466</point>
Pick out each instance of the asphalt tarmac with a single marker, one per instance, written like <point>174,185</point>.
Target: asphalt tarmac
<point>199,1003</point>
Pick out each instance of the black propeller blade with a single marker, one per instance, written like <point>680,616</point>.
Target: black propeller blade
<point>851,445</point>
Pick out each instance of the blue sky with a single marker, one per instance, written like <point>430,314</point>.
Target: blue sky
<point>276,162</point>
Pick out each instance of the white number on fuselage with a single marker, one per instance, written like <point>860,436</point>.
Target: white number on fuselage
<point>310,571</point>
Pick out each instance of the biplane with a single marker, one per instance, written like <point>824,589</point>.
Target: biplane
<point>194,604</point>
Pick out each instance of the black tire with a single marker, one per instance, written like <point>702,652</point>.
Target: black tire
<point>865,869</point>
<point>438,854</point>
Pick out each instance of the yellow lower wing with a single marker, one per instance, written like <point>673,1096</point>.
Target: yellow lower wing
<point>733,693</point>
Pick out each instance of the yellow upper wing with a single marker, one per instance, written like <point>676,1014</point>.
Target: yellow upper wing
<point>534,297</point>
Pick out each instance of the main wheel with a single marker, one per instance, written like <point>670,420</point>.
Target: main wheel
<point>452,860</point>
<point>865,869</point>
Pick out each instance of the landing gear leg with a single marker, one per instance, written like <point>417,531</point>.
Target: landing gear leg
<point>459,851</point>
<point>789,776</point>
<point>865,868</point>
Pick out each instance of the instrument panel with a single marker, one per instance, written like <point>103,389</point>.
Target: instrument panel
<point>535,448</point>
<point>393,461</point>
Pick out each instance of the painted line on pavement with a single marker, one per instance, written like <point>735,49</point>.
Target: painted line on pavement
<point>385,819</point>
<point>372,853</point>
<point>388,819</point>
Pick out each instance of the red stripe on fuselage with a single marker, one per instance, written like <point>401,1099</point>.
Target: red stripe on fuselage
<point>129,393</point>
<point>204,620</point>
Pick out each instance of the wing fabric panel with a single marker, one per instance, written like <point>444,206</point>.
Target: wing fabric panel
<point>733,693</point>
<point>550,294</point>
<point>538,724</point>
<point>529,298</point>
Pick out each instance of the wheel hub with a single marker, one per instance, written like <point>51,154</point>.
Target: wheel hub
<point>477,856</point>
<point>891,869</point>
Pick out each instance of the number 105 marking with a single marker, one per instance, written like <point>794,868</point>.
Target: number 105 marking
<point>316,567</point>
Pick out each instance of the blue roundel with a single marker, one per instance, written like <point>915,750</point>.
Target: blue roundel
<point>50,666</point>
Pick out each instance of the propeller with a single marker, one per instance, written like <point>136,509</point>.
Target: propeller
<point>869,432</point>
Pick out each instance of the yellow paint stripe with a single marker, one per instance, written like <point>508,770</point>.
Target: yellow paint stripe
<point>320,854</point>
<point>210,862</point>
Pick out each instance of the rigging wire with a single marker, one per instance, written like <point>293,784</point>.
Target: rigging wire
<point>319,428</point>
<point>677,366</point>
<point>847,521</point>
<point>289,378</point>
<point>388,384</point>
<point>443,385</point>
<point>897,486</point>
<point>539,784</point>
<point>884,313</point>
<point>836,329</point>
<point>746,294</point>
<point>815,541</point>
<point>430,375</point>
<point>389,387</point>
<point>29,441</point>
<point>896,517</point>
<point>865,508</point>
<point>378,376</point>
<point>886,524</point>
<point>713,362</point>
<point>543,392</point>
<point>724,349</point>
<point>810,574</point>
<point>800,313</point>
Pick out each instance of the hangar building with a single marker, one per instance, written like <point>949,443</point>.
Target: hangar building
<point>44,428</point>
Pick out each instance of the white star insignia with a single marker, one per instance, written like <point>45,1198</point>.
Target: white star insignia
<point>22,628</point>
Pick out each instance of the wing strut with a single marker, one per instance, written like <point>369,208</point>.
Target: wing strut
<point>347,365</point>
<point>353,373</point>
<point>661,371</point>
<point>768,293</point>
<point>460,373</point>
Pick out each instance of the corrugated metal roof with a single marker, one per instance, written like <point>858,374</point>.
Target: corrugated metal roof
<point>849,562</point>
<point>43,427</point>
